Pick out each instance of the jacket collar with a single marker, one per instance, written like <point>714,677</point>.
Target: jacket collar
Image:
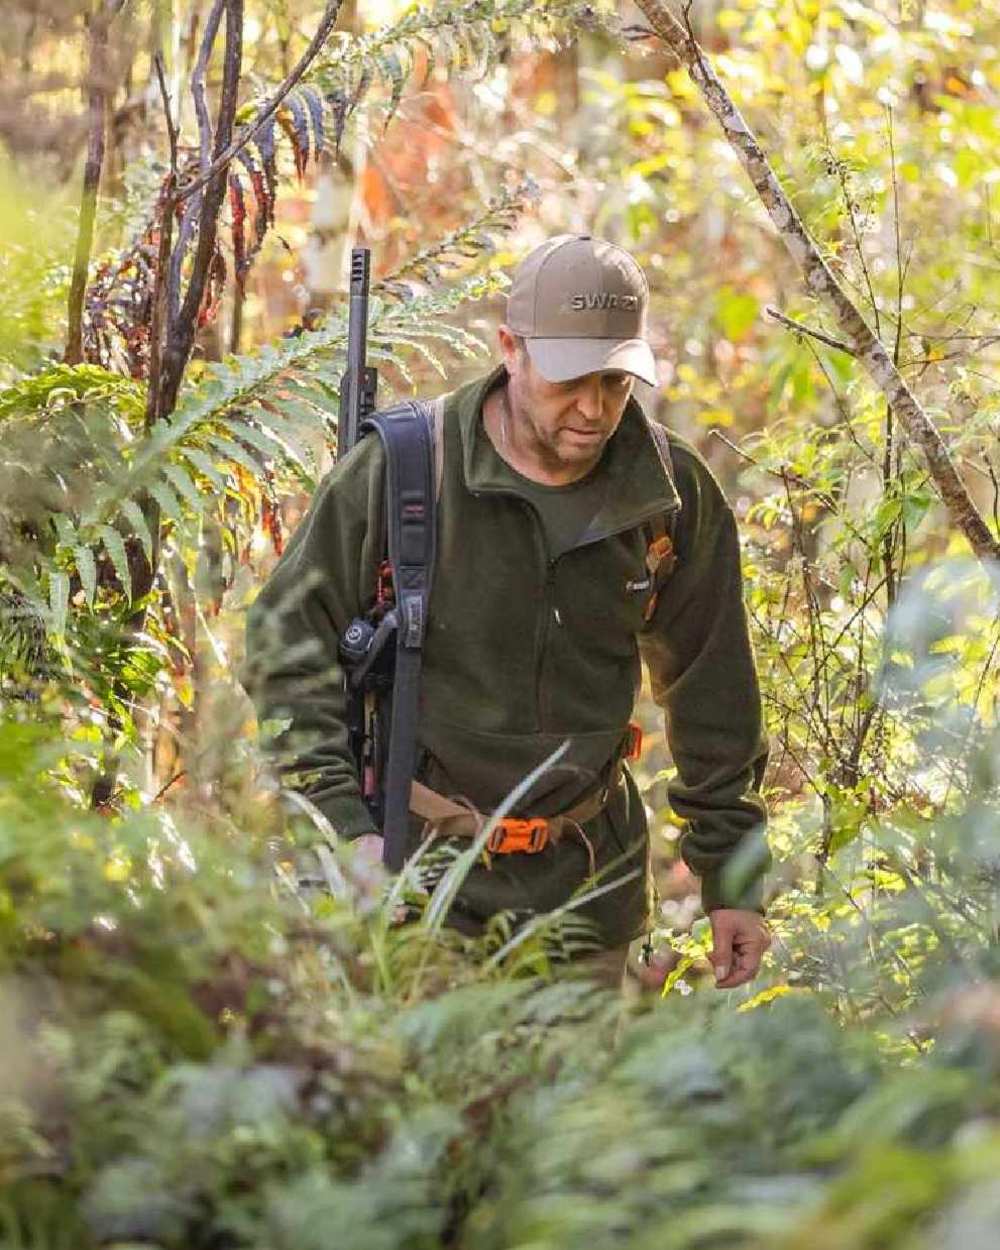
<point>640,485</point>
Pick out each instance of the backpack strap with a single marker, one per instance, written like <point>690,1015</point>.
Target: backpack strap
<point>660,532</point>
<point>412,485</point>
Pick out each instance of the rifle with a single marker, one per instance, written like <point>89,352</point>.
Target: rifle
<point>358,388</point>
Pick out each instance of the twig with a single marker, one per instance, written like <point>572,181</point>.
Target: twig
<point>845,415</point>
<point>222,159</point>
<point>164,788</point>
<point>172,136</point>
<point>800,328</point>
<point>636,31</point>
<point>901,268</point>
<point>783,474</point>
<point>845,191</point>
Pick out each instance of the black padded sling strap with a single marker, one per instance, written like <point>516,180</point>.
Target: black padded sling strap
<point>407,432</point>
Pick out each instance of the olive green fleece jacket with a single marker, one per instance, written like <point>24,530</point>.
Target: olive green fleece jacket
<point>523,652</point>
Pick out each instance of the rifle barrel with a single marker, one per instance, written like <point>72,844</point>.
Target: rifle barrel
<point>352,384</point>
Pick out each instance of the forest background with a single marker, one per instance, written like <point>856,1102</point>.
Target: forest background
<point>212,1034</point>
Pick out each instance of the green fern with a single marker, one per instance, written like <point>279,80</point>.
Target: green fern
<point>470,241</point>
<point>266,416</point>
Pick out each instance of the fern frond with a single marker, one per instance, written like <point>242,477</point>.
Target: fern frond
<point>58,386</point>
<point>241,399</point>
<point>470,241</point>
<point>465,38</point>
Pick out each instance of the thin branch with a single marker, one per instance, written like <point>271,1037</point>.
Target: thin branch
<point>821,282</point>
<point>221,161</point>
<point>845,416</point>
<point>901,268</point>
<point>182,320</point>
<point>800,328</point>
<point>172,136</point>
<point>198,83</point>
<point>97,105</point>
<point>189,217</point>
<point>845,191</point>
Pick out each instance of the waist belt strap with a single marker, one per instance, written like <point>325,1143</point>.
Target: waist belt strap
<point>448,818</point>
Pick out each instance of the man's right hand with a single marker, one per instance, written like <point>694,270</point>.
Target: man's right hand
<point>368,854</point>
<point>368,848</point>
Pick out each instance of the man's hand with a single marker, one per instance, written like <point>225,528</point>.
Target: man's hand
<point>739,940</point>
<point>368,848</point>
<point>368,854</point>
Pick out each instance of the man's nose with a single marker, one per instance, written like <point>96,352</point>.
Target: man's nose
<point>590,398</point>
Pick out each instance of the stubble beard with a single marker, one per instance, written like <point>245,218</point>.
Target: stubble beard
<point>552,453</point>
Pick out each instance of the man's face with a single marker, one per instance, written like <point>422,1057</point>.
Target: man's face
<point>567,423</point>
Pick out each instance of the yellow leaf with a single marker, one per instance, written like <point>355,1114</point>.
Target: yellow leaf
<point>716,416</point>
<point>767,996</point>
<point>117,869</point>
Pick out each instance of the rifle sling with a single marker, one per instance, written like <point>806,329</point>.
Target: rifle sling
<point>410,498</point>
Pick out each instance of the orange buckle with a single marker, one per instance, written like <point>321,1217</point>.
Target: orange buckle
<point>659,550</point>
<point>633,741</point>
<point>510,835</point>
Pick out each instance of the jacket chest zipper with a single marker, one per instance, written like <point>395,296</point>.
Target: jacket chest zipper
<point>549,613</point>
<point>546,612</point>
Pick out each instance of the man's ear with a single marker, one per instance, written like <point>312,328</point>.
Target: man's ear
<point>509,348</point>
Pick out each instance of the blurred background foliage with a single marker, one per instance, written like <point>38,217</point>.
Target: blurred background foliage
<point>212,1034</point>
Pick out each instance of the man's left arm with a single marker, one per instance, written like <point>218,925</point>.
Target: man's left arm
<point>703,675</point>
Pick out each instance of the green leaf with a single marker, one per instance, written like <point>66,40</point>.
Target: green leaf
<point>886,515</point>
<point>168,501</point>
<point>204,464</point>
<point>231,450</point>
<point>735,312</point>
<point>114,545</point>
<point>264,443</point>
<point>139,527</point>
<point>58,600</point>
<point>277,424</point>
<point>87,568</point>
<point>915,506</point>
<point>64,529</point>
<point>185,487</point>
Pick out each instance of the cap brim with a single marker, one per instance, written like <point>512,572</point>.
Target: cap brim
<point>559,360</point>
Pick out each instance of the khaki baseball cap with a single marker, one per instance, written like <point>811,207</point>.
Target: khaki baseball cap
<point>580,303</point>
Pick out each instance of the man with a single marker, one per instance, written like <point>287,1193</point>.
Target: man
<point>553,522</point>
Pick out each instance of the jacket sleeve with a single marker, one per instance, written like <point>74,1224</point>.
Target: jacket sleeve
<point>703,675</point>
<point>324,579</point>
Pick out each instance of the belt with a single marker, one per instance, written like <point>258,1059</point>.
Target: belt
<point>451,818</point>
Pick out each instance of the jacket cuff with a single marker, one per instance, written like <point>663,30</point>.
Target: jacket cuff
<point>349,816</point>
<point>720,889</point>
